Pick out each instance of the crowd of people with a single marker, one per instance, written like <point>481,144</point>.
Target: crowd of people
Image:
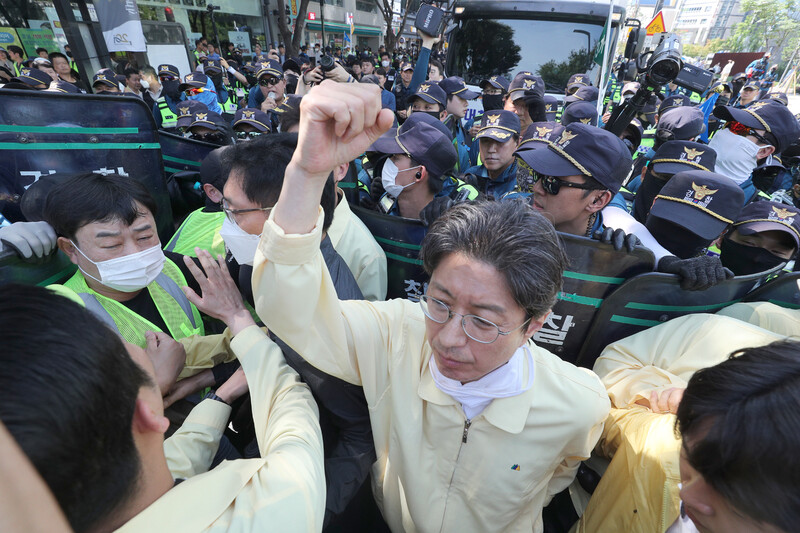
<point>295,397</point>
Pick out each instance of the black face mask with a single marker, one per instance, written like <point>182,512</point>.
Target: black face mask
<point>722,101</point>
<point>744,260</point>
<point>171,89</point>
<point>647,192</point>
<point>764,178</point>
<point>251,80</point>
<point>69,54</point>
<point>434,114</point>
<point>216,79</point>
<point>492,102</point>
<point>679,241</point>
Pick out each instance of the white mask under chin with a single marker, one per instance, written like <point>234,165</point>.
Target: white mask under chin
<point>242,245</point>
<point>736,155</point>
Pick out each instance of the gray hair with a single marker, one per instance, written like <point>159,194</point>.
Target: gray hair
<point>518,241</point>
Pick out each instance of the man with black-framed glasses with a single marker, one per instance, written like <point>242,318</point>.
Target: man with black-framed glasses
<point>475,427</point>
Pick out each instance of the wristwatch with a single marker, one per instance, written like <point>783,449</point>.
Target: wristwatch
<point>212,396</point>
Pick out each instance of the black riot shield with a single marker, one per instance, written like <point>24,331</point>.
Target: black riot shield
<point>783,291</point>
<point>57,133</point>
<point>55,269</point>
<point>181,154</point>
<point>595,271</point>
<point>400,239</point>
<point>651,299</point>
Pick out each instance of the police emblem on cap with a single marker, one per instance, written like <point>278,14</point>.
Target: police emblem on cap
<point>566,136</point>
<point>548,107</point>
<point>184,111</point>
<point>27,72</point>
<point>248,114</point>
<point>491,120</point>
<point>164,67</point>
<point>201,116</point>
<point>99,76</point>
<point>781,214</point>
<point>757,106</point>
<point>692,153</point>
<point>700,195</point>
<point>526,73</point>
<point>501,135</point>
<point>424,88</point>
<point>586,120</point>
<point>493,78</point>
<point>578,79</point>
<point>528,84</point>
<point>542,131</point>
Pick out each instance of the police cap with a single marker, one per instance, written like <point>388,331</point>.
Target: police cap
<point>768,115</point>
<point>255,117</point>
<point>500,126</point>
<point>584,112</point>
<point>424,144</point>
<point>673,157</point>
<point>757,217</point>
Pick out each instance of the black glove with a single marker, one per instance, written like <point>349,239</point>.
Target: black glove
<point>376,189</point>
<point>535,102</point>
<point>696,273</point>
<point>434,210</point>
<point>617,238</point>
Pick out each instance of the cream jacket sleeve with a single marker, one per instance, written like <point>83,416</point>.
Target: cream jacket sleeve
<point>206,351</point>
<point>192,448</point>
<point>667,355</point>
<point>766,315</point>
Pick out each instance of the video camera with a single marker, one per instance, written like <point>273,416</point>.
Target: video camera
<point>430,20</point>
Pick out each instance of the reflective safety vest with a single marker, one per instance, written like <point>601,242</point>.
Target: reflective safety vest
<point>168,117</point>
<point>648,140</point>
<point>73,65</point>
<point>199,230</point>
<point>181,317</point>
<point>695,98</point>
<point>229,106</point>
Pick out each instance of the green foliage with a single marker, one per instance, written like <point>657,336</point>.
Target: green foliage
<point>768,25</point>
<point>711,46</point>
<point>556,74</point>
<point>487,47</point>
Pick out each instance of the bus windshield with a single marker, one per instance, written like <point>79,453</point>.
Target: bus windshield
<point>481,48</point>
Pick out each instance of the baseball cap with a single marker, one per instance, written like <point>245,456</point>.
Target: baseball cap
<point>255,117</point>
<point>539,134</point>
<point>291,63</point>
<point>208,119</point>
<point>166,69</point>
<point>703,202</point>
<point>586,150</point>
<point>676,100</point>
<point>34,77</point>
<point>270,67</point>
<point>751,84</point>
<point>739,76</point>
<point>213,66</point>
<point>673,157</point>
<point>291,101</point>
<point>578,80</point>
<point>455,85</point>
<point>41,61</point>
<point>194,80</point>
<point>778,97</point>
<point>681,124</point>
<point>498,82</point>
<point>423,143</point>
<point>584,112</point>
<point>768,115</point>
<point>65,87</point>
<point>430,92</point>
<point>405,65</point>
<point>370,78</point>
<point>757,217</point>
<point>187,110</point>
<point>630,87</point>
<point>500,126</point>
<point>585,93</point>
<point>550,107</point>
<point>417,118</point>
<point>103,78</point>
<point>525,81</point>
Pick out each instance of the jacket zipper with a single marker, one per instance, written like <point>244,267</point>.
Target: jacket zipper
<point>467,424</point>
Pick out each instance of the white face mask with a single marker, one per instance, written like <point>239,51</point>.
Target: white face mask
<point>388,177</point>
<point>242,245</point>
<point>129,273</point>
<point>385,63</point>
<point>736,155</point>
<point>145,84</point>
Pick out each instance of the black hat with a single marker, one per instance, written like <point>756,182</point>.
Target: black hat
<point>525,81</point>
<point>498,82</point>
<point>249,66</point>
<point>673,157</point>
<point>431,92</point>
<point>584,112</point>
<point>769,216</point>
<point>703,202</point>
<point>768,115</point>
<point>292,101</point>
<point>680,124</point>
<point>586,150</point>
<point>34,77</point>
<point>424,144</point>
<point>169,70</point>
<point>636,130</point>
<point>208,119</point>
<point>406,65</point>
<point>751,84</point>
<point>500,126</point>
<point>456,85</point>
<point>586,93</point>
<point>213,66</point>
<point>739,76</point>
<point>187,110</point>
<point>291,63</point>
<point>539,134</point>
<point>424,118</point>
<point>66,87</point>
<point>550,107</point>
<point>104,78</point>
<point>255,117</point>
<point>578,80</point>
<point>676,100</point>
<point>270,67</point>
<point>778,97</point>
<point>195,80</point>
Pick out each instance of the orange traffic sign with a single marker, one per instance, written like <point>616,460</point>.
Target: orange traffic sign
<point>657,24</point>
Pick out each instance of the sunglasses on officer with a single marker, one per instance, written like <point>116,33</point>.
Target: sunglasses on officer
<point>193,91</point>
<point>166,77</point>
<point>248,134</point>
<point>552,185</point>
<point>743,131</point>
<point>272,80</point>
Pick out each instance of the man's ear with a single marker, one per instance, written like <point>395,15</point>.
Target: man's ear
<point>598,201</point>
<point>443,114</point>
<point>536,324</point>
<point>145,419</point>
<point>421,174</point>
<point>340,172</point>
<point>764,151</point>
<point>212,192</point>
<point>68,248</point>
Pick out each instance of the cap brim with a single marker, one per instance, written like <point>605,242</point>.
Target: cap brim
<point>749,228</point>
<point>207,123</point>
<point>673,168</point>
<point>497,134</point>
<point>103,82</point>
<point>427,98</point>
<point>739,115</point>
<point>387,143</point>
<point>547,161</point>
<point>516,94</point>
<point>703,225</point>
<point>466,94</point>
<point>256,124</point>
<point>193,85</point>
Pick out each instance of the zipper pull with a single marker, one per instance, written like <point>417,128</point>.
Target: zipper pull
<point>467,423</point>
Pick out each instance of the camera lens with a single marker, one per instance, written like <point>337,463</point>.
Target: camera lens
<point>327,63</point>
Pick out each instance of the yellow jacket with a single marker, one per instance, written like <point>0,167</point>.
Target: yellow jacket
<point>364,257</point>
<point>638,493</point>
<point>284,490</point>
<point>765,315</point>
<point>435,471</point>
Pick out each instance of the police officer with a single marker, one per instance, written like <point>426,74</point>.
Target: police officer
<point>430,98</point>
<point>748,95</point>
<point>575,82</point>
<point>30,78</point>
<point>522,88</point>
<point>493,90</point>
<point>186,113</point>
<point>165,110</point>
<point>227,100</point>
<point>585,112</point>
<point>402,88</point>
<point>497,141</point>
<point>270,91</point>
<point>197,86</point>
<point>249,124</point>
<point>458,97</point>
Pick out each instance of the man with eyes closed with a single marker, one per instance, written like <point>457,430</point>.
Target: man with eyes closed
<point>475,427</point>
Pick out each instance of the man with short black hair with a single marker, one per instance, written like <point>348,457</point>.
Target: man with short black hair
<point>435,70</point>
<point>458,97</point>
<point>133,84</point>
<point>15,53</point>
